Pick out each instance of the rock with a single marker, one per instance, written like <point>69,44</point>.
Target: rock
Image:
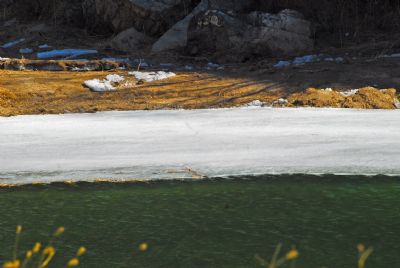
<point>152,17</point>
<point>219,33</point>
<point>130,40</point>
<point>176,37</point>
<point>232,5</point>
<point>286,20</point>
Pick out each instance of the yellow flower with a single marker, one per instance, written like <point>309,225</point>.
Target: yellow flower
<point>291,255</point>
<point>36,247</point>
<point>12,264</point>
<point>59,231</point>
<point>143,247</point>
<point>29,254</point>
<point>19,229</point>
<point>50,252</point>
<point>73,262</point>
<point>81,251</point>
<point>360,248</point>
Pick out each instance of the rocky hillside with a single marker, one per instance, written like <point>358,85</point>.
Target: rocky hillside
<point>218,27</point>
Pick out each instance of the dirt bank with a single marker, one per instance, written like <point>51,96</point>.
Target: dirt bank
<point>48,92</point>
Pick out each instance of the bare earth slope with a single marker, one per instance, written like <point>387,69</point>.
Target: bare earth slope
<point>39,92</point>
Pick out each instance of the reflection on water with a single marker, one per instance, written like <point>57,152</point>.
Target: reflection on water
<point>212,223</point>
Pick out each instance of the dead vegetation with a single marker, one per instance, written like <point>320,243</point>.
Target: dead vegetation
<point>364,98</point>
<point>45,92</point>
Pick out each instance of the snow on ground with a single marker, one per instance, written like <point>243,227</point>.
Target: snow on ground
<point>106,84</point>
<point>13,43</point>
<point>152,76</point>
<point>219,142</point>
<point>25,50</point>
<point>349,92</point>
<point>306,59</point>
<point>44,46</point>
<point>67,53</point>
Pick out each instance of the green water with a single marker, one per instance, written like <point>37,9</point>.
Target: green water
<point>219,223</point>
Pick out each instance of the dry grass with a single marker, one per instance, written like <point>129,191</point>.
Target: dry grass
<point>37,92</point>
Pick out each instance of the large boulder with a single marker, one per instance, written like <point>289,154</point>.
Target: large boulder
<point>216,32</point>
<point>152,17</point>
<point>130,40</point>
<point>176,37</point>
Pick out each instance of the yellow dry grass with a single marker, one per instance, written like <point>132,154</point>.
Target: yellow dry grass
<point>38,92</point>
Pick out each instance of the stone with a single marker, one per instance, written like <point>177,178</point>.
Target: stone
<point>152,17</point>
<point>130,40</point>
<point>176,37</point>
<point>283,34</point>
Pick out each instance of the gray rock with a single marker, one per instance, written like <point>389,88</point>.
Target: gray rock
<point>216,32</point>
<point>152,17</point>
<point>176,37</point>
<point>130,40</point>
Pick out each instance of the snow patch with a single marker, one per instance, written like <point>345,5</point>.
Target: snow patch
<point>25,50</point>
<point>104,85</point>
<point>152,76</point>
<point>4,59</point>
<point>126,60</point>
<point>282,63</point>
<point>115,78</point>
<point>13,43</point>
<point>67,53</point>
<point>349,93</point>
<point>44,46</point>
<point>254,103</point>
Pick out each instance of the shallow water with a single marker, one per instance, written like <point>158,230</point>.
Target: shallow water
<point>212,223</point>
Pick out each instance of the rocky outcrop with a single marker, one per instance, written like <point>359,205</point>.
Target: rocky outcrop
<point>176,37</point>
<point>130,40</point>
<point>152,17</point>
<point>214,31</point>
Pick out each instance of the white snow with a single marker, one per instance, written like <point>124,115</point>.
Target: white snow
<point>25,50</point>
<point>13,43</point>
<point>152,76</point>
<point>99,85</point>
<point>254,103</point>
<point>349,92</point>
<point>67,53</point>
<point>116,59</point>
<point>115,78</point>
<point>282,63</point>
<point>220,142</point>
<point>44,46</point>
<point>104,85</point>
<point>396,55</point>
<point>4,59</point>
<point>305,59</point>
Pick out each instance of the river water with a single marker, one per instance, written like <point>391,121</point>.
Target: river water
<point>210,223</point>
